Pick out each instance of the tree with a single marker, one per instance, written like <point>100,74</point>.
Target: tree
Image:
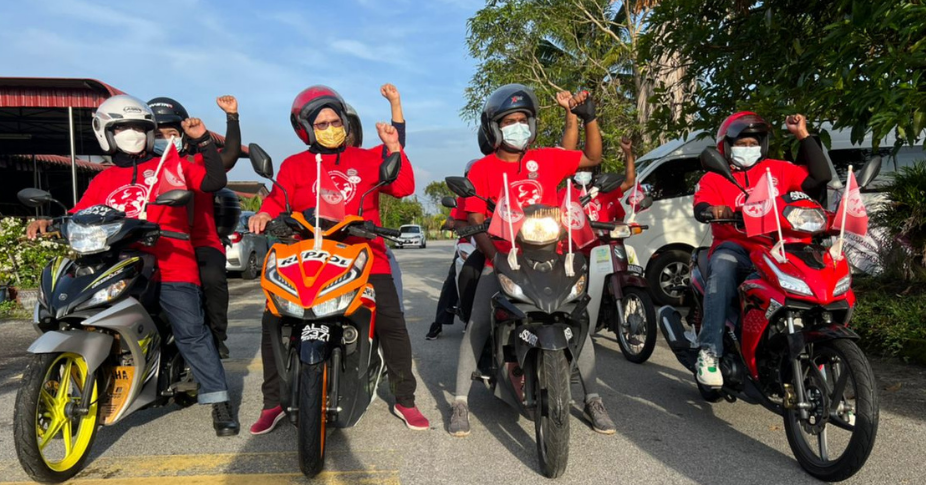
<point>435,191</point>
<point>250,204</point>
<point>859,64</point>
<point>396,212</point>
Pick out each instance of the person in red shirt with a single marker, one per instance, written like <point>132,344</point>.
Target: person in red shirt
<point>125,129</point>
<point>210,250</point>
<point>743,140</point>
<point>509,121</point>
<point>319,118</point>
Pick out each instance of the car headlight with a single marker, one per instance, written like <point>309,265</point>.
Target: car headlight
<point>789,282</point>
<point>621,231</point>
<point>540,230</point>
<point>106,294</point>
<point>843,285</point>
<point>90,239</point>
<point>511,288</point>
<point>335,305</point>
<point>288,308</point>
<point>805,220</point>
<point>272,274</point>
<point>578,289</point>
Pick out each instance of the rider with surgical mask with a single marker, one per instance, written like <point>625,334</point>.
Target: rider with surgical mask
<point>743,140</point>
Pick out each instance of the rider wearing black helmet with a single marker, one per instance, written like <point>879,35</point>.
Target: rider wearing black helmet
<point>509,123</point>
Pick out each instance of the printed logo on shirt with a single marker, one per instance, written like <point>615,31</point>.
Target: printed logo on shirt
<point>128,198</point>
<point>347,186</point>
<point>528,192</point>
<point>532,166</point>
<point>148,173</point>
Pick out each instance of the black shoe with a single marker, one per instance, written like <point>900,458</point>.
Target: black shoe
<point>434,332</point>
<point>223,350</point>
<point>224,419</point>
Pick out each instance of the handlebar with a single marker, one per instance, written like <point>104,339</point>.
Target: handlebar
<point>604,226</point>
<point>708,217</point>
<point>469,231</point>
<point>385,231</point>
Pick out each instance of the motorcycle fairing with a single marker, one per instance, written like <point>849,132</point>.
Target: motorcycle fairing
<point>64,291</point>
<point>542,277</point>
<point>804,263</point>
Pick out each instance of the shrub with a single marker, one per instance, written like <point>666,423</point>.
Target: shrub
<point>888,314</point>
<point>903,216</point>
<point>21,260</point>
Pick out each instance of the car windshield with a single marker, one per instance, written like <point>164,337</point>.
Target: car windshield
<point>410,229</point>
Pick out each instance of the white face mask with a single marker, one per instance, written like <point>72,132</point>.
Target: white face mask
<point>160,145</point>
<point>746,156</point>
<point>131,141</point>
<point>516,135</point>
<point>583,178</point>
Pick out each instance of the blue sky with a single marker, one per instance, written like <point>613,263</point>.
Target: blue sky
<point>264,53</point>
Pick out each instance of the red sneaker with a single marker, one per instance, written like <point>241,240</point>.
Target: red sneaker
<point>412,417</point>
<point>268,420</point>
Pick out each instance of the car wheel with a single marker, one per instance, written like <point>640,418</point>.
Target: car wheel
<point>251,268</point>
<point>669,275</point>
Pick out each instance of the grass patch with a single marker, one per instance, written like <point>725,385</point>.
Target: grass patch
<point>12,310</point>
<point>888,314</point>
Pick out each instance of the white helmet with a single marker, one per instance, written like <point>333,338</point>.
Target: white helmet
<point>119,110</point>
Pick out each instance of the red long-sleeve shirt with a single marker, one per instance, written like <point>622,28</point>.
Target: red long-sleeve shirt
<point>354,172</point>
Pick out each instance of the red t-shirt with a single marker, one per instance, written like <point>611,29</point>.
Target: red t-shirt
<point>113,187</point>
<point>204,232</point>
<point>605,207</point>
<point>533,180</point>
<point>458,214</point>
<point>356,172</point>
<point>716,190</point>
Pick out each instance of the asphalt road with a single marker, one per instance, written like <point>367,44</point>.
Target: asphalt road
<point>666,433</point>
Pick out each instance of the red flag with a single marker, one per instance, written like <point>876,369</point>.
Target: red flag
<point>634,197</point>
<point>856,216</point>
<point>758,215</point>
<point>503,214</point>
<point>331,201</point>
<point>574,217</point>
<point>171,175</point>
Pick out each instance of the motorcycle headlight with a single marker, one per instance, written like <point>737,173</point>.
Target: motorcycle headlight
<point>843,285</point>
<point>578,289</point>
<point>335,305</point>
<point>511,288</point>
<point>540,230</point>
<point>288,308</point>
<point>90,239</point>
<point>621,231</point>
<point>805,220</point>
<point>789,282</point>
<point>106,294</point>
<point>273,275</point>
<point>354,273</point>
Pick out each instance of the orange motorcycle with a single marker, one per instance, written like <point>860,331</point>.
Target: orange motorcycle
<point>329,359</point>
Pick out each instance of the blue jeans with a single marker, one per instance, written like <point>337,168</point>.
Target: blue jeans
<point>183,304</point>
<point>729,267</point>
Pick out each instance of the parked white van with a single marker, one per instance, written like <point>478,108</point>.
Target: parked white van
<point>670,174</point>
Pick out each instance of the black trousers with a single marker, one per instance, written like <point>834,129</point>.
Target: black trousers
<point>469,277</point>
<point>391,332</point>
<point>448,297</point>
<point>215,290</point>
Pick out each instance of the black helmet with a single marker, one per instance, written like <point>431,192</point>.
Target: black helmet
<point>356,129</point>
<point>510,98</point>
<point>167,111</point>
<point>484,146</point>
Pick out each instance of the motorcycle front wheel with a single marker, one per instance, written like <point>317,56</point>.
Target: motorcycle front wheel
<point>637,336</point>
<point>839,434</point>
<point>52,440</point>
<point>313,417</point>
<point>551,423</point>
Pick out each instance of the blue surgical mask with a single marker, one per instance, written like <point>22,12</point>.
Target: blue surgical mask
<point>583,178</point>
<point>746,156</point>
<point>160,145</point>
<point>517,135</point>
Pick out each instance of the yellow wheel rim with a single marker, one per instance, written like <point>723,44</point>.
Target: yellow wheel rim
<point>63,440</point>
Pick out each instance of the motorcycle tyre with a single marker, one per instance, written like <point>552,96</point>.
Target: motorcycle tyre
<point>650,343</point>
<point>551,428</point>
<point>312,420</point>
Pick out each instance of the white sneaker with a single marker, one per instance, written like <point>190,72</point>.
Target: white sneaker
<point>708,368</point>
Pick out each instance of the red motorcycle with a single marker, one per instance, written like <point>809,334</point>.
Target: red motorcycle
<point>788,346</point>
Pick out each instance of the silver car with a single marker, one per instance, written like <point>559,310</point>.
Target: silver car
<point>247,251</point>
<point>412,235</point>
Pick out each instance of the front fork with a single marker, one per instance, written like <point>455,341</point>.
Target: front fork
<point>795,353</point>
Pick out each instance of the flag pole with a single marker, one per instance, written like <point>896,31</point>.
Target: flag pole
<point>837,248</point>
<point>318,201</point>
<point>779,246</point>
<point>513,254</point>
<point>569,254</point>
<point>633,203</point>
<point>143,216</point>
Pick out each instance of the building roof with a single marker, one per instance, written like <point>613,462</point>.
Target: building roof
<point>83,165</point>
<point>248,188</point>
<point>24,92</point>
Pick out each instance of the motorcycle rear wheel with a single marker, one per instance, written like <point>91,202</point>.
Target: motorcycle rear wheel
<point>313,417</point>
<point>551,426</point>
<point>53,443</point>
<point>841,386</point>
<point>638,346</point>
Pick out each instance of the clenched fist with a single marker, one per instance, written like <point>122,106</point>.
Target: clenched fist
<point>194,128</point>
<point>228,104</point>
<point>389,136</point>
<point>797,125</point>
<point>390,92</point>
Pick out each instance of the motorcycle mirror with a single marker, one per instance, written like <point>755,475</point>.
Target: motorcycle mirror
<point>174,198</point>
<point>34,197</point>
<point>646,203</point>
<point>389,170</point>
<point>448,202</point>
<point>461,186</point>
<point>261,162</point>
<point>608,182</point>
<point>869,171</point>
<point>713,161</point>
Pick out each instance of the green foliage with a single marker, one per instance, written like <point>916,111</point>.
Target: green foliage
<point>22,261</point>
<point>857,63</point>
<point>436,191</point>
<point>396,212</point>
<point>887,315</point>
<point>903,216</point>
<point>252,204</point>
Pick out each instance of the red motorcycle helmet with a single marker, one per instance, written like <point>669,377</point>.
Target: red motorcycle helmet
<point>744,123</point>
<point>308,104</point>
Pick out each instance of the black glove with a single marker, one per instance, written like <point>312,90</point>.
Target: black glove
<point>586,111</point>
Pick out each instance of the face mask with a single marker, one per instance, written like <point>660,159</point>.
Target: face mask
<point>746,156</point>
<point>516,135</point>
<point>160,145</point>
<point>331,137</point>
<point>130,141</point>
<point>583,178</point>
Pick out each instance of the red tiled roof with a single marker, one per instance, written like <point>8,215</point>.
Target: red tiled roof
<point>18,92</point>
<point>62,160</point>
